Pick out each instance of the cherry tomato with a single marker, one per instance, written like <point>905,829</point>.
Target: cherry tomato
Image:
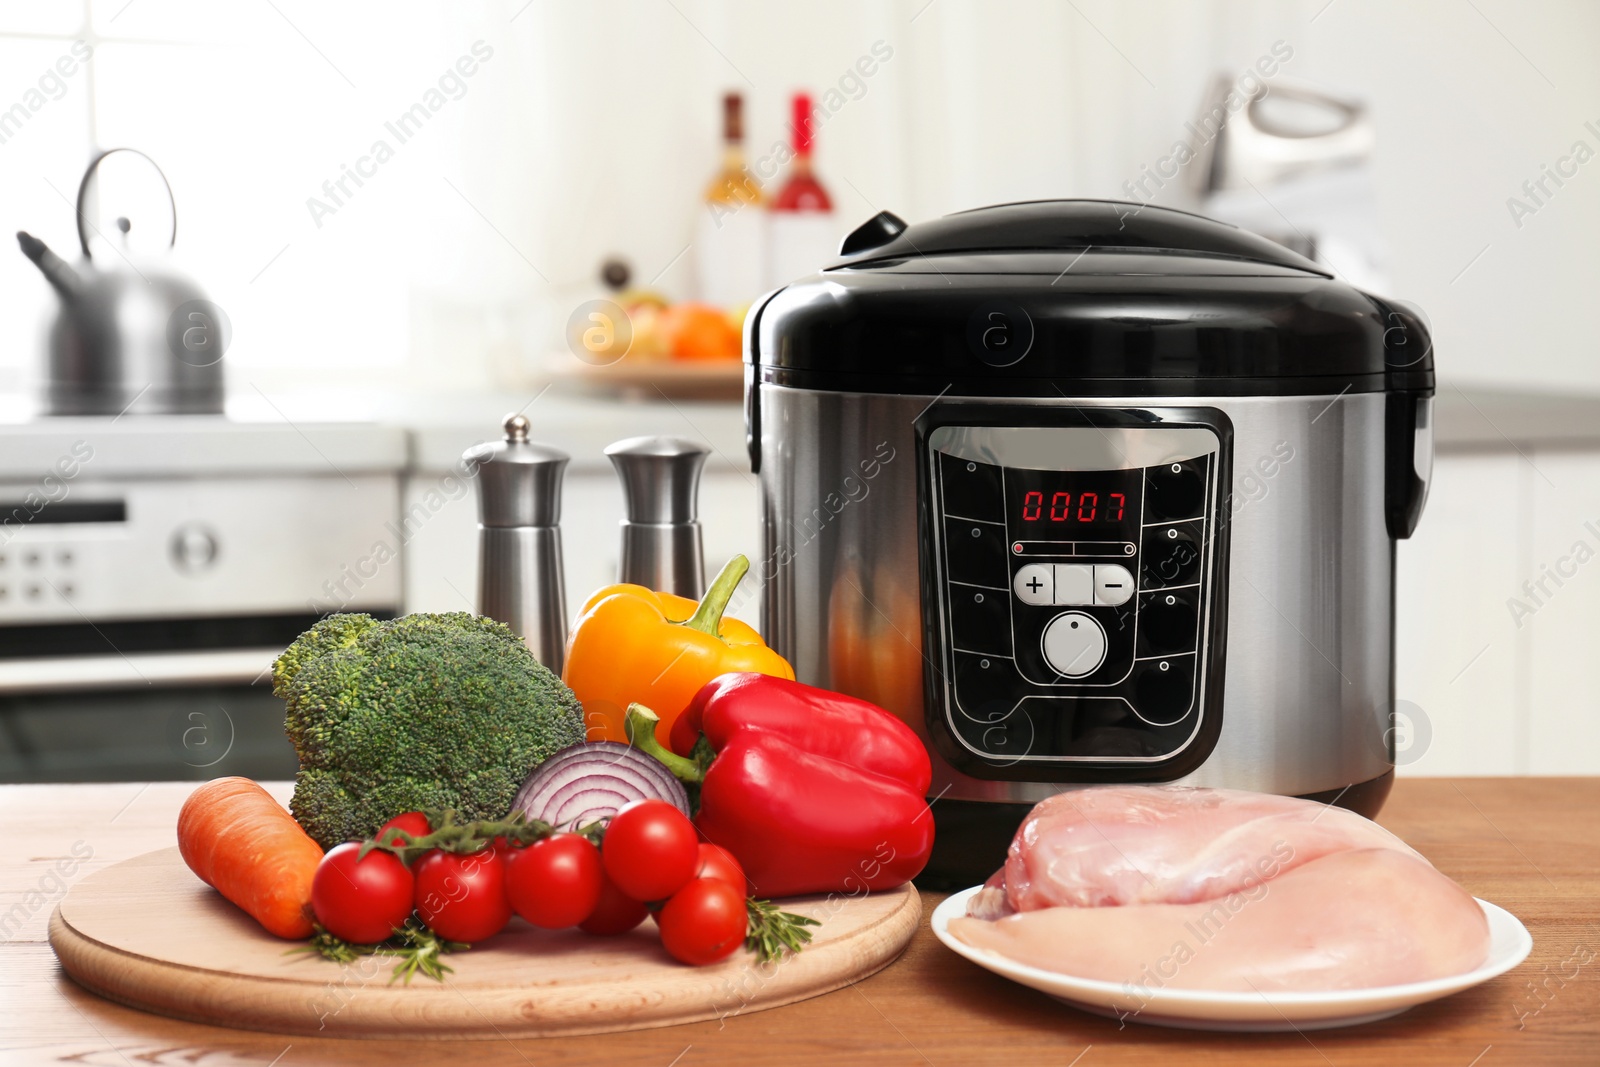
<point>412,822</point>
<point>650,850</point>
<point>361,900</point>
<point>717,862</point>
<point>614,913</point>
<point>703,922</point>
<point>555,882</point>
<point>462,896</point>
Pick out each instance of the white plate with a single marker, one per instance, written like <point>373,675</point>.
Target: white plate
<point>1509,945</point>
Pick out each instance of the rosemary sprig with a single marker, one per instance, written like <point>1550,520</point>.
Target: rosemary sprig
<point>330,947</point>
<point>420,953</point>
<point>773,932</point>
<point>419,950</point>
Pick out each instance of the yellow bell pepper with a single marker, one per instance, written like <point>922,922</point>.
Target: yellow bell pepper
<point>631,645</point>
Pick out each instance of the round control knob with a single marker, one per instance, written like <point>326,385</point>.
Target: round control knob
<point>1162,692</point>
<point>1169,623</point>
<point>1175,492</point>
<point>1074,644</point>
<point>194,547</point>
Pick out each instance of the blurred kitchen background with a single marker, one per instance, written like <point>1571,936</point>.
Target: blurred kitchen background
<point>401,211</point>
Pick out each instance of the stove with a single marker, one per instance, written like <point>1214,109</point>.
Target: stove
<point>161,563</point>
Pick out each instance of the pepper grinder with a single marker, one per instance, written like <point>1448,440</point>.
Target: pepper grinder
<point>520,578</point>
<point>661,542</point>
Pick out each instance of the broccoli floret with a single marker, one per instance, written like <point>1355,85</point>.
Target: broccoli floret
<point>424,711</point>
<point>335,631</point>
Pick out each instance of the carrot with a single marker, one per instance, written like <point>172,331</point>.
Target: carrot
<point>245,845</point>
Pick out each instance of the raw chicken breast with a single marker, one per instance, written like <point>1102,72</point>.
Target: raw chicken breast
<point>990,902</point>
<point>1349,920</point>
<point>1171,845</point>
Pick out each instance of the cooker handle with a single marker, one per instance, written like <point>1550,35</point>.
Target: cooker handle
<point>1408,416</point>
<point>876,232</point>
<point>1408,460</point>
<point>752,379</point>
<point>137,670</point>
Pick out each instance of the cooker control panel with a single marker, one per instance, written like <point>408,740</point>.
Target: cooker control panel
<point>1071,592</point>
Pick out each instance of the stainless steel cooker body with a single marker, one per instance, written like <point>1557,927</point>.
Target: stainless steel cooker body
<point>1307,667</point>
<point>1086,491</point>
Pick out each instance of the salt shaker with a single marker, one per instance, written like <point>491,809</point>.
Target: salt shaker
<point>662,547</point>
<point>520,578</point>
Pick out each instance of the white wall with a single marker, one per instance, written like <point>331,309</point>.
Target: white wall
<point>594,126</point>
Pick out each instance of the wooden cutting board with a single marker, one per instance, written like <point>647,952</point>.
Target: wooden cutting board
<point>146,932</point>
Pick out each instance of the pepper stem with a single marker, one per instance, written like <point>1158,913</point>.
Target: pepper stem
<point>641,727</point>
<point>707,618</point>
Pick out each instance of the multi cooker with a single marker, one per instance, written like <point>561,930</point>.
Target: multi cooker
<point>1089,491</point>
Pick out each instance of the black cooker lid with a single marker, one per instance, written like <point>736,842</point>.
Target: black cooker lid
<point>1081,297</point>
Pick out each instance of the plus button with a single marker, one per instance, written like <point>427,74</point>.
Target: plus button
<point>1034,584</point>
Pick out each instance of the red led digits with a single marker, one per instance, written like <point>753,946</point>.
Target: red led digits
<point>1061,507</point>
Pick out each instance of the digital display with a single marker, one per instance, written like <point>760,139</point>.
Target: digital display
<point>1070,504</point>
<point>1088,509</point>
<point>64,511</point>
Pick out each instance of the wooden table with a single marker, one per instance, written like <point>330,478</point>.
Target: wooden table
<point>1530,845</point>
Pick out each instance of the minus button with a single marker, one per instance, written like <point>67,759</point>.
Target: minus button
<point>1113,585</point>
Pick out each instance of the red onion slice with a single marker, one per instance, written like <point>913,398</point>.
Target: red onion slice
<point>590,781</point>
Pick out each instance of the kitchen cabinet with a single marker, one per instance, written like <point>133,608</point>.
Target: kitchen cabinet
<point>1498,616</point>
<point>1456,656</point>
<point>1558,614</point>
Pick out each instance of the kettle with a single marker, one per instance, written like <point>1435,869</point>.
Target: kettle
<point>131,336</point>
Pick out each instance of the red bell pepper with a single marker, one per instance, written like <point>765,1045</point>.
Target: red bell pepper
<point>812,791</point>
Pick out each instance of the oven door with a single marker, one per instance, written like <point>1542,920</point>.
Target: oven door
<point>144,700</point>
